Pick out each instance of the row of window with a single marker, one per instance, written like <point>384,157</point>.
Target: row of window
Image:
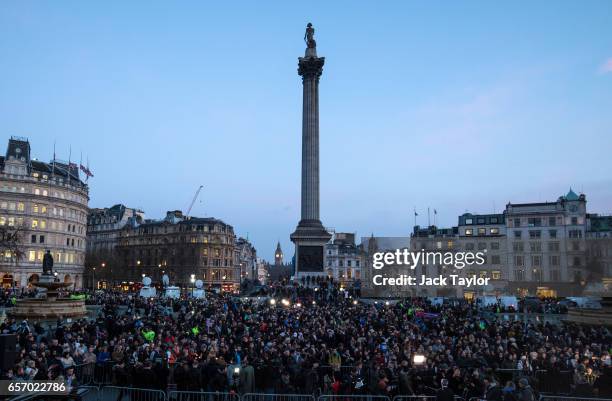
<point>537,275</point>
<point>536,246</point>
<point>553,260</point>
<point>58,257</point>
<point>550,221</point>
<point>482,231</point>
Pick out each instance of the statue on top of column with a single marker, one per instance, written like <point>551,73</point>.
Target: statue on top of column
<point>309,36</point>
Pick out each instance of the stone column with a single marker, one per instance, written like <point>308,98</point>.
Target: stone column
<point>310,236</point>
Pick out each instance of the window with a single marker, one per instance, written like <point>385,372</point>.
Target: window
<point>553,247</point>
<point>32,256</point>
<point>496,275</point>
<point>20,207</point>
<point>482,231</point>
<point>534,222</point>
<point>469,221</point>
<point>552,221</point>
<point>575,233</point>
<point>34,223</point>
<point>481,220</point>
<point>535,233</point>
<point>517,234</point>
<point>577,262</point>
<point>519,275</point>
<point>41,239</point>
<point>494,220</point>
<point>482,245</point>
<point>554,275</point>
<point>449,244</point>
<point>537,274</point>
<point>535,246</point>
<point>33,239</point>
<point>536,261</point>
<point>495,259</point>
<point>495,231</point>
<point>519,260</point>
<point>575,246</point>
<point>517,222</point>
<point>469,231</point>
<point>469,246</point>
<point>574,221</point>
<point>552,233</point>
<point>495,245</point>
<point>554,260</point>
<point>517,247</point>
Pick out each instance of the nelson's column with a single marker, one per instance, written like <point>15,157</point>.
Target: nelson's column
<point>310,236</point>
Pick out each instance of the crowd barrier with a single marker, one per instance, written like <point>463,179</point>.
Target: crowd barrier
<point>276,397</point>
<point>201,396</point>
<point>559,382</point>
<point>563,398</point>
<point>114,393</point>
<point>130,394</point>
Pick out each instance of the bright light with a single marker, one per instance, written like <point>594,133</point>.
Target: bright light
<point>298,305</point>
<point>236,370</point>
<point>418,359</point>
<point>273,301</point>
<point>314,302</point>
<point>285,302</point>
<point>387,303</point>
<point>143,275</point>
<point>316,289</point>
<point>355,302</point>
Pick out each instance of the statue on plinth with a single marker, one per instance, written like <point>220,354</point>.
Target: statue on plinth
<point>47,263</point>
<point>309,36</point>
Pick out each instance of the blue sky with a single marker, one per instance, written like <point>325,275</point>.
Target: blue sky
<point>453,105</point>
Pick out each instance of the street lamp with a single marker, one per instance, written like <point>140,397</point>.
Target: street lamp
<point>192,279</point>
<point>93,278</point>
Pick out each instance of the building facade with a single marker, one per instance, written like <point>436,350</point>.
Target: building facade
<point>245,257</point>
<point>180,247</point>
<point>343,258</point>
<point>103,228</point>
<point>485,233</point>
<point>546,244</point>
<point>599,249</point>
<point>46,205</point>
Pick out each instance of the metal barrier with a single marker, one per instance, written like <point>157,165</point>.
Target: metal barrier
<point>563,398</point>
<point>201,396</point>
<point>559,382</point>
<point>352,397</point>
<point>130,394</point>
<point>416,398</point>
<point>89,393</point>
<point>276,397</point>
<point>103,373</point>
<point>84,373</point>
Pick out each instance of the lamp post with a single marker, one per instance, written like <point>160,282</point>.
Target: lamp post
<point>192,279</point>
<point>93,278</point>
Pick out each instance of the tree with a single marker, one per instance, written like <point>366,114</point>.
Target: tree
<point>11,241</point>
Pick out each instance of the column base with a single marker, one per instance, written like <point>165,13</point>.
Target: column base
<point>310,238</point>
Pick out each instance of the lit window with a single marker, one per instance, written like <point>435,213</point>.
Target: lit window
<point>34,223</point>
<point>35,208</point>
<point>469,231</point>
<point>494,231</point>
<point>496,275</point>
<point>32,256</point>
<point>20,207</point>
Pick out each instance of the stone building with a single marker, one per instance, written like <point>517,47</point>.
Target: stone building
<point>245,257</point>
<point>485,233</point>
<point>103,228</point>
<point>181,247</point>
<point>546,245</point>
<point>46,203</point>
<point>599,249</point>
<point>343,258</point>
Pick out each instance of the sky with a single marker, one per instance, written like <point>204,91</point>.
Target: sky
<point>458,106</point>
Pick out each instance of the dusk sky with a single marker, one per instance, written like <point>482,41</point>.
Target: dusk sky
<point>459,106</point>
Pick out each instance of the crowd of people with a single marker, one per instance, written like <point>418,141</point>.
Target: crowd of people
<point>314,341</point>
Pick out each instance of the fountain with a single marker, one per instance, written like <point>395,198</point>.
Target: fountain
<point>48,306</point>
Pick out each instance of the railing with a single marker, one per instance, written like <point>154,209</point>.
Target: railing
<point>113,393</point>
<point>550,382</point>
<point>276,397</point>
<point>353,397</point>
<point>130,394</point>
<point>201,396</point>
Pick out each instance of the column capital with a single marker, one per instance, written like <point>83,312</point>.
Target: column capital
<point>310,67</point>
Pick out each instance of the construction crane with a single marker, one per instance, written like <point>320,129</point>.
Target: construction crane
<point>194,199</point>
